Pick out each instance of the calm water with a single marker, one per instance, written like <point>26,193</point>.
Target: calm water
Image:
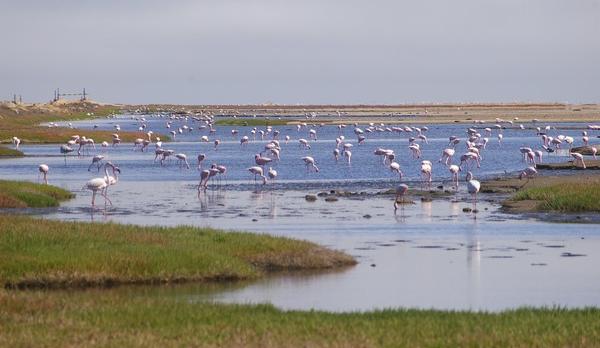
<point>429,255</point>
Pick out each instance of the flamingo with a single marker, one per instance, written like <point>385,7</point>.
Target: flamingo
<point>201,157</point>
<point>454,169</point>
<point>528,173</point>
<point>261,161</point>
<point>272,173</point>
<point>182,159</point>
<point>395,167</point>
<point>473,187</point>
<point>447,156</point>
<point>348,155</point>
<point>400,192</point>
<point>97,159</point>
<point>204,176</point>
<point>426,172</point>
<point>16,141</point>
<point>578,159</point>
<point>310,163</point>
<point>336,154</point>
<point>258,171</point>
<point>65,149</point>
<point>99,185</point>
<point>43,170</point>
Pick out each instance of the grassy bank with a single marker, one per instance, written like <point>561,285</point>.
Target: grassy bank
<point>259,122</point>
<point>566,194</point>
<point>22,194</point>
<point>24,123</point>
<point>111,318</point>
<point>6,152</point>
<point>569,198</point>
<point>42,253</point>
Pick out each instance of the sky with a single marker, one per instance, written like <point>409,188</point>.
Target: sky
<point>302,52</point>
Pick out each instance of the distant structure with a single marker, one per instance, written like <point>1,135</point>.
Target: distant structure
<point>57,95</point>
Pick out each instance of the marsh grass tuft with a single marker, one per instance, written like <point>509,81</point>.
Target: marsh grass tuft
<point>45,253</point>
<point>23,194</point>
<point>6,152</point>
<point>565,197</point>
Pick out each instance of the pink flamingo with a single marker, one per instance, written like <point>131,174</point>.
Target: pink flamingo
<point>43,170</point>
<point>310,163</point>
<point>454,169</point>
<point>258,171</point>
<point>395,167</point>
<point>578,159</point>
<point>399,198</point>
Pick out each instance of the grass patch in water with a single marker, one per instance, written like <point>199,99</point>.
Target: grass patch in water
<point>45,253</point>
<point>134,319</point>
<point>6,152</point>
<point>565,197</point>
<point>23,194</point>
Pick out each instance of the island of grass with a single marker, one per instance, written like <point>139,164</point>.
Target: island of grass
<point>564,194</point>
<point>23,194</point>
<point>24,122</point>
<point>6,152</point>
<point>43,253</point>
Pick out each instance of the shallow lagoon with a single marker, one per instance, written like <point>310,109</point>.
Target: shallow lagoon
<point>428,255</point>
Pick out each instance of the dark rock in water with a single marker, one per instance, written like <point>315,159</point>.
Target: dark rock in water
<point>402,241</point>
<point>475,211</point>
<point>485,208</point>
<point>254,220</point>
<point>331,199</point>
<point>310,198</point>
<point>322,194</point>
<point>571,255</point>
<point>554,246</point>
<point>521,249</point>
<point>429,246</point>
<point>441,187</point>
<point>450,249</point>
<point>385,244</point>
<point>500,257</point>
<point>373,265</point>
<point>467,210</point>
<point>539,264</point>
<point>426,199</point>
<point>367,216</point>
<point>332,192</point>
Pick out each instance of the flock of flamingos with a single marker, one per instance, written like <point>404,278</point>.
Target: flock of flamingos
<point>474,143</point>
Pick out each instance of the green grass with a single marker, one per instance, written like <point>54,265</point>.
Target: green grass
<point>22,194</point>
<point>45,253</point>
<point>246,121</point>
<point>25,124</point>
<point>111,318</point>
<point>6,152</point>
<point>564,197</point>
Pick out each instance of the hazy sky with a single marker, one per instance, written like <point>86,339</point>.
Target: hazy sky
<point>305,51</point>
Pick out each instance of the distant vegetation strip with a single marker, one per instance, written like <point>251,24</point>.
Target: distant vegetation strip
<point>23,194</point>
<point>25,123</point>
<point>136,319</point>
<point>258,121</point>
<point>55,254</point>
